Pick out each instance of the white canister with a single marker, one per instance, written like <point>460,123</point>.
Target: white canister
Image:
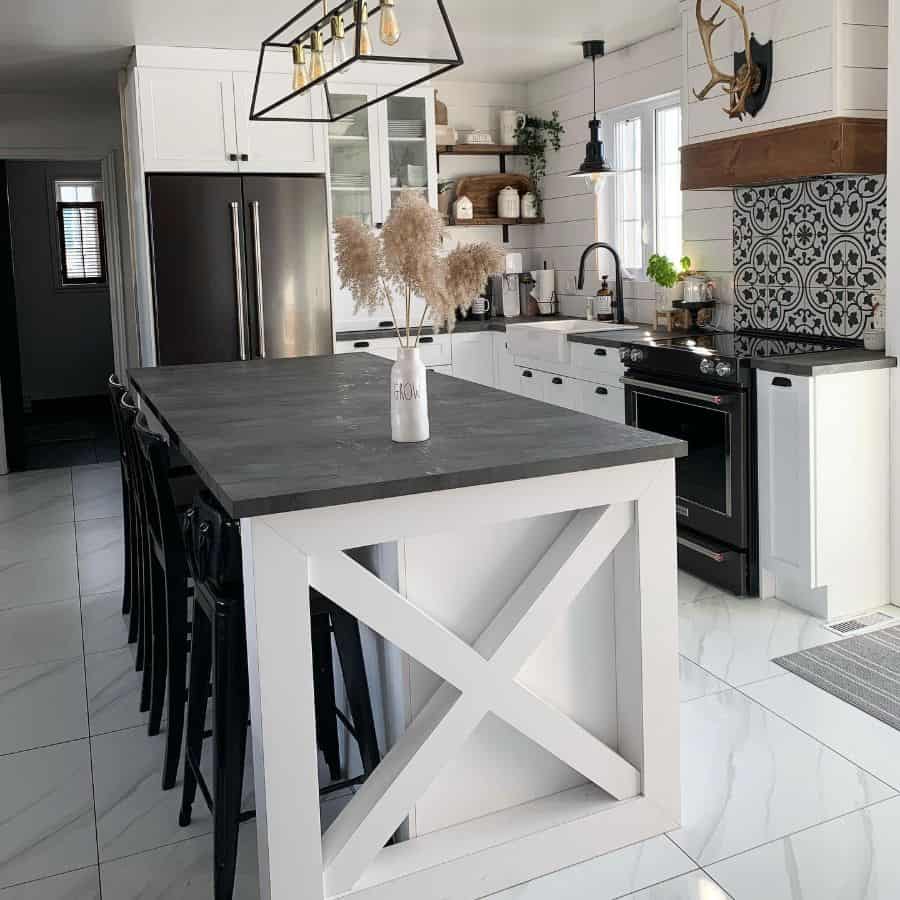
<point>463,209</point>
<point>510,120</point>
<point>409,398</point>
<point>530,206</point>
<point>508,203</point>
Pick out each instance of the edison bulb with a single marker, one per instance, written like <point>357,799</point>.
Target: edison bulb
<point>301,75</point>
<point>365,39</point>
<point>390,27</point>
<point>338,45</point>
<point>317,59</point>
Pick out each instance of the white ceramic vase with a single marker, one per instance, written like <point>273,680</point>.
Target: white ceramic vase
<point>409,398</point>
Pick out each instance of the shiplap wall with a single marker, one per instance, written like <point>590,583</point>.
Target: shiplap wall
<point>830,59</point>
<point>645,70</point>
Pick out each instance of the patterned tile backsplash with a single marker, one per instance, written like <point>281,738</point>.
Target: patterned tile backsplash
<point>808,255</point>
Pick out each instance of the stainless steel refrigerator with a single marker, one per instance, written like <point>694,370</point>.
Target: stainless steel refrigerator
<point>240,267</point>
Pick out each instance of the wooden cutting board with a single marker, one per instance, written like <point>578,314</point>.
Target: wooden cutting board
<point>483,190</point>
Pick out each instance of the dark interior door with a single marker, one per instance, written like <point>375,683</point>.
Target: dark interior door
<point>288,269</point>
<point>199,269</point>
<point>10,368</point>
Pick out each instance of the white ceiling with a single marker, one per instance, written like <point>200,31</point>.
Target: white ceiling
<point>75,46</point>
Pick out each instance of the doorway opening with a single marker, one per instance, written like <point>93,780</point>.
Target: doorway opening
<point>56,316</point>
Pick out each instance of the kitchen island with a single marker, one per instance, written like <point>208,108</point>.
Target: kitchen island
<point>520,571</point>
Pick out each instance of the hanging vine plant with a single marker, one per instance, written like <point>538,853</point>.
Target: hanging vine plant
<point>533,137</point>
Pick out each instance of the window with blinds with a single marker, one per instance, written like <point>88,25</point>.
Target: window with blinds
<point>82,254</point>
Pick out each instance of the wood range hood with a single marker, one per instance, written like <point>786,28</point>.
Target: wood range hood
<point>834,146</point>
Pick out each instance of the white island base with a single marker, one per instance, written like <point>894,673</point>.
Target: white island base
<point>532,716</point>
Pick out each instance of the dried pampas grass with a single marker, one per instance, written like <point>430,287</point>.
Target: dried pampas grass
<point>407,259</point>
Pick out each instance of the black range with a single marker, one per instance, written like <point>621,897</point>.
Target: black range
<point>699,387</point>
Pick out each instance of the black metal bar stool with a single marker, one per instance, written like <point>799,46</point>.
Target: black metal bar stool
<point>219,653</point>
<point>168,591</point>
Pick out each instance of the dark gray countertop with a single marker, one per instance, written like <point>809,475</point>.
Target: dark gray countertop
<point>828,362</point>
<point>271,436</point>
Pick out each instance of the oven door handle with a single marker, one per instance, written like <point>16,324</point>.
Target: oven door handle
<point>699,548</point>
<point>716,399</point>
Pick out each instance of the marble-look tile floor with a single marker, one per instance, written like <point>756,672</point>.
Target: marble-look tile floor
<point>788,793</point>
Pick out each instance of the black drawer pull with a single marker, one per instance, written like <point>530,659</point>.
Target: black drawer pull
<point>245,157</point>
<point>600,351</point>
<point>426,340</point>
<point>387,324</point>
<point>602,391</point>
<point>360,345</point>
<point>233,157</point>
<point>782,382</point>
<point>557,380</point>
<point>527,374</point>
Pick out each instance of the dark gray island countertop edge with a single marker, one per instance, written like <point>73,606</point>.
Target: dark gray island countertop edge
<point>276,436</point>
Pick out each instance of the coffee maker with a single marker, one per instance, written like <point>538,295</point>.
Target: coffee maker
<point>504,289</point>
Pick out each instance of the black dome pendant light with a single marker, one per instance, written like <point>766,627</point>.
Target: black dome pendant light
<point>594,168</point>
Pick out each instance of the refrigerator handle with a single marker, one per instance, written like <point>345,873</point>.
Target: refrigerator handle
<point>239,277</point>
<point>257,259</point>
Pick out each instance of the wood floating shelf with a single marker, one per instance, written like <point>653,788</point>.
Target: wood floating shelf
<point>479,150</point>
<point>834,146</point>
<point>493,220</point>
<point>501,150</point>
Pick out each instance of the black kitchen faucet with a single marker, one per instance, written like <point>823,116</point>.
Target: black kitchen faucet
<point>619,313</point>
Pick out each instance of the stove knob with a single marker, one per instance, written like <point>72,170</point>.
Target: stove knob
<point>636,355</point>
<point>723,369</point>
<point>707,366</point>
<point>624,354</point>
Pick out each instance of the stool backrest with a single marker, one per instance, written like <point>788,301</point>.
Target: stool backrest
<point>153,459</point>
<point>213,539</point>
<point>116,393</point>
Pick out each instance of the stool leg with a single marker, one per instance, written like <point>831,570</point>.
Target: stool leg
<point>157,648</point>
<point>176,640</point>
<point>126,521</point>
<point>232,707</point>
<point>198,698</point>
<point>327,735</point>
<point>349,647</point>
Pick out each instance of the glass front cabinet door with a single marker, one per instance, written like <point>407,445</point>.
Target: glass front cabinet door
<point>375,154</point>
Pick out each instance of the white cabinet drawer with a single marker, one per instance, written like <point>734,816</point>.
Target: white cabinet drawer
<point>435,350</point>
<point>530,383</point>
<point>562,391</point>
<point>597,363</point>
<point>603,401</point>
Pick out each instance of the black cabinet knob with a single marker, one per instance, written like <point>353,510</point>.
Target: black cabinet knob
<point>426,340</point>
<point>557,380</point>
<point>781,382</point>
<point>600,351</point>
<point>245,157</point>
<point>233,157</point>
<point>387,324</point>
<point>527,374</point>
<point>602,391</point>
<point>360,345</point>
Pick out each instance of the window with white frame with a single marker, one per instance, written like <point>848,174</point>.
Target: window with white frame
<point>629,191</point>
<point>646,213</point>
<point>81,242</point>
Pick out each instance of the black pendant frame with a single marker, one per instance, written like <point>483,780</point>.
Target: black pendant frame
<point>761,55</point>
<point>322,24</point>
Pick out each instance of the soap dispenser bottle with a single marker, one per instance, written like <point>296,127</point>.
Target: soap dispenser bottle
<point>603,301</point>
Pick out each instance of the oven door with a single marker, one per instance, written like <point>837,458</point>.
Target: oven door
<point>712,480</point>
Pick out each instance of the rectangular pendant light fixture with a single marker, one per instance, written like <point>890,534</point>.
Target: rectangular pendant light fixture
<point>306,62</point>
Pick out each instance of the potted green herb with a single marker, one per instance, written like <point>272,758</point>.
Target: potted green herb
<point>532,137</point>
<point>662,271</point>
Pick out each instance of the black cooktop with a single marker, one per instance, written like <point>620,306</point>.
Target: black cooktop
<point>745,345</point>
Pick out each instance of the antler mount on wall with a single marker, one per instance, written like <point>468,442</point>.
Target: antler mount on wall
<point>748,87</point>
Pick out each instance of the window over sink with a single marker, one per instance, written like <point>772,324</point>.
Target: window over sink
<point>643,212</point>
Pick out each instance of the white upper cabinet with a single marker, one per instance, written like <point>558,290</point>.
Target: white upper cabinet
<point>187,120</point>
<point>276,147</point>
<point>195,116</point>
